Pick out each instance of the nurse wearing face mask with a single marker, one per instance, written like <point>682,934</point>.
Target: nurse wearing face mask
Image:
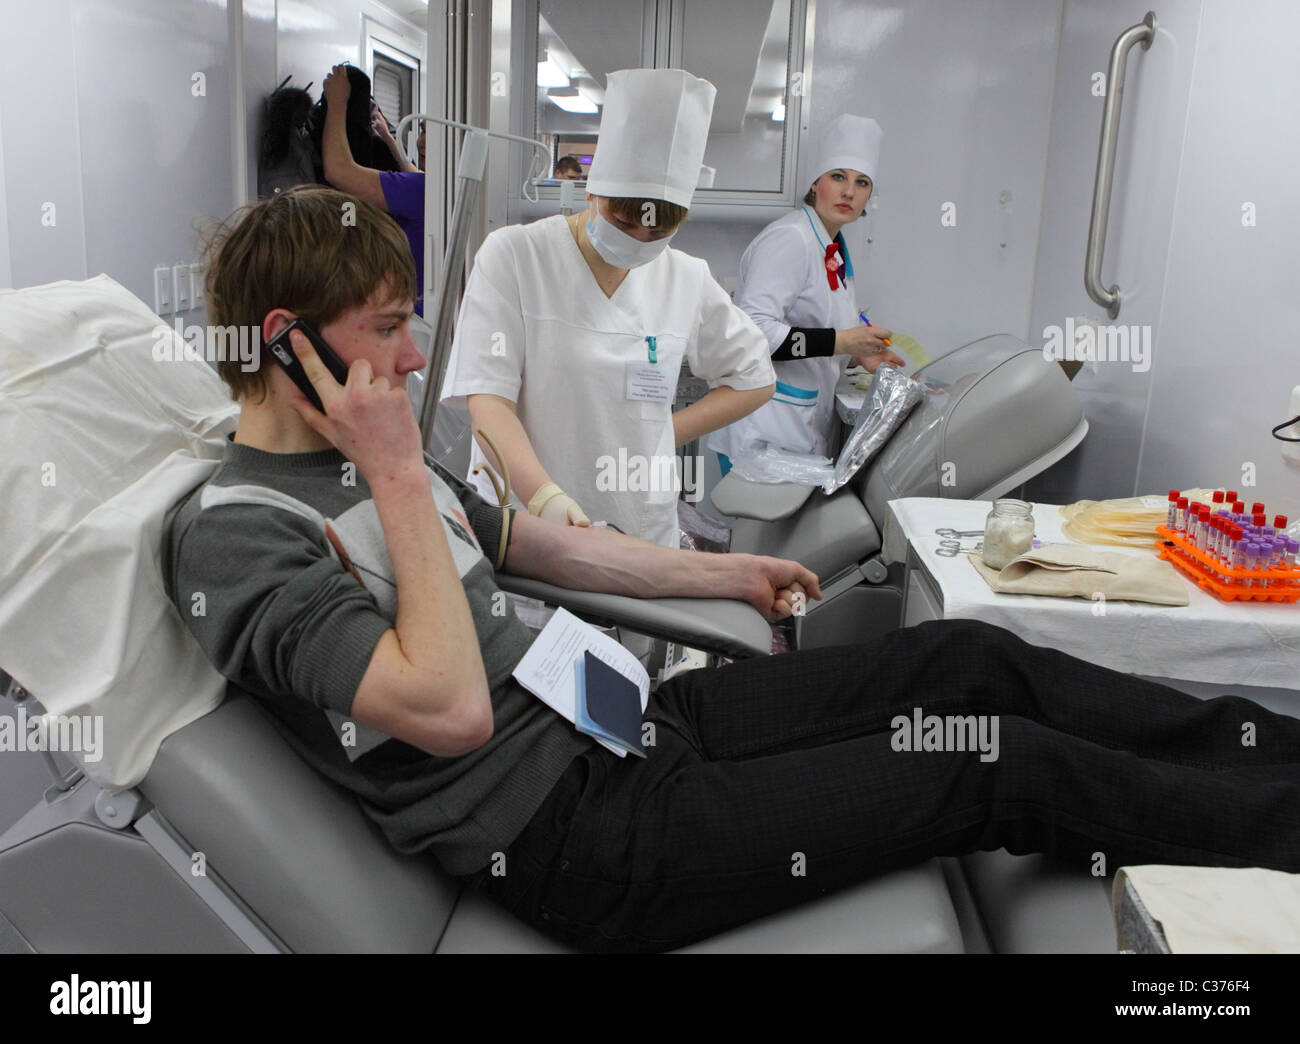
<point>573,329</point>
<point>796,283</point>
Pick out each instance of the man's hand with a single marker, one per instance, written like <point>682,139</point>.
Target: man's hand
<point>368,420</point>
<point>779,588</point>
<point>336,90</point>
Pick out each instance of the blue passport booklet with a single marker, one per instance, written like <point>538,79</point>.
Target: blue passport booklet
<point>608,705</point>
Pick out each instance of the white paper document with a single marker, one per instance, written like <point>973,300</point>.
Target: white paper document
<point>547,668</point>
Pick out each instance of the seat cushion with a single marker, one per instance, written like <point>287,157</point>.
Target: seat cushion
<point>828,536</point>
<point>909,911</point>
<point>295,848</point>
<point>1031,904</point>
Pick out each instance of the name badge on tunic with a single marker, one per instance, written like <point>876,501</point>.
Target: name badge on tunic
<point>649,383</point>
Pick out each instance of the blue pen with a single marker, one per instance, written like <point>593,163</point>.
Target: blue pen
<point>863,317</point>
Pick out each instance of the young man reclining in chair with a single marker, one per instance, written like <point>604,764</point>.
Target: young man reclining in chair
<point>350,590</point>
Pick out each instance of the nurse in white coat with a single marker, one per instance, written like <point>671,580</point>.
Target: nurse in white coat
<point>573,329</point>
<point>796,283</point>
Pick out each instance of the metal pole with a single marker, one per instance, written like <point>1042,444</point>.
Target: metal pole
<point>469,177</point>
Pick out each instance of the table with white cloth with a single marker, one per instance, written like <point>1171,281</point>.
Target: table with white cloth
<point>1206,647</point>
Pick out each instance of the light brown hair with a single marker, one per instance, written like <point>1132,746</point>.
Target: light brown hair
<point>667,216</point>
<point>313,251</point>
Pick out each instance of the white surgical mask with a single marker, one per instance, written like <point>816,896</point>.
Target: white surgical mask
<point>619,249</point>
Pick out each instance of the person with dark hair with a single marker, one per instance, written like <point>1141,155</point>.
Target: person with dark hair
<point>569,168</point>
<point>398,192</point>
<point>351,590</point>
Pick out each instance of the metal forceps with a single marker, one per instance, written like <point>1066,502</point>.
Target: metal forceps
<point>950,546</point>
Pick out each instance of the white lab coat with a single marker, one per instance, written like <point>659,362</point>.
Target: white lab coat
<point>536,328</point>
<point>783,284</point>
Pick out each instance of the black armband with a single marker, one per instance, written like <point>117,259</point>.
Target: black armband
<point>805,342</point>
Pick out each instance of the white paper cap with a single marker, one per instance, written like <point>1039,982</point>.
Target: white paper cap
<point>653,129</point>
<point>849,143</point>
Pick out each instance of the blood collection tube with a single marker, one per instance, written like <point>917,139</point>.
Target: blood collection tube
<point>1182,516</point>
<point>1202,528</point>
<point>1217,498</point>
<point>1266,554</point>
<point>1238,553</point>
<point>1288,556</point>
<point>1231,496</point>
<point>1238,508</point>
<point>1172,518</point>
<point>1279,523</point>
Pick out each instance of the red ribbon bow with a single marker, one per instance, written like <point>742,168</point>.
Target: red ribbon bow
<point>835,269</point>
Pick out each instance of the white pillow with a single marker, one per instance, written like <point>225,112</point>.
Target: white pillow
<point>99,439</point>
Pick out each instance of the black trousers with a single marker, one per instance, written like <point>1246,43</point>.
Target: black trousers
<point>773,781</point>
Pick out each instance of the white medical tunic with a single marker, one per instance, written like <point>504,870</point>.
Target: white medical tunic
<point>594,377</point>
<point>783,284</point>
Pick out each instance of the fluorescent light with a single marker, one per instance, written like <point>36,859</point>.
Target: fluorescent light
<point>549,74</point>
<point>571,100</point>
<point>778,114</point>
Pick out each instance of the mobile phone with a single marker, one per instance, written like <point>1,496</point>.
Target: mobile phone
<point>282,352</point>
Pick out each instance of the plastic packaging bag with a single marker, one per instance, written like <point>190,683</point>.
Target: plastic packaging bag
<point>893,394</point>
<point>759,462</point>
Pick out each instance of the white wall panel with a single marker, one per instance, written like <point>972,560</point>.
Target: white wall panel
<point>963,94</point>
<point>1230,313</point>
<point>6,273</point>
<point>42,143</point>
<point>155,153</point>
<point>1147,172</point>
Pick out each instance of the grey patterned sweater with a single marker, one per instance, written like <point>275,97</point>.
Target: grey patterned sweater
<point>278,565</point>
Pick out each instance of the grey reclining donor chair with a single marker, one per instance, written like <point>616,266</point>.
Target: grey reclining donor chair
<point>996,414</point>
<point>188,824</point>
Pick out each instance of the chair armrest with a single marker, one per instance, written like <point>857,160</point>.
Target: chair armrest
<point>720,625</point>
<point>765,501</point>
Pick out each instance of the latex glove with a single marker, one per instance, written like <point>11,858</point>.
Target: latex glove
<point>564,510</point>
<point>553,504</point>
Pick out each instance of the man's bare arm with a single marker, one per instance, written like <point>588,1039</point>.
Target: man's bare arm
<point>602,560</point>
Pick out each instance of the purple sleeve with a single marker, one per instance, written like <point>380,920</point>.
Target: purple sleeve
<point>403,193</point>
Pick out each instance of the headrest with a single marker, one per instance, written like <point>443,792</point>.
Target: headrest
<point>105,424</point>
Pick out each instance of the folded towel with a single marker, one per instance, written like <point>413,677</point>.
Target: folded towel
<point>1066,571</point>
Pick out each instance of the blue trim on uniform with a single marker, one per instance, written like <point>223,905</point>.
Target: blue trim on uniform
<point>795,393</point>
<point>839,238</point>
<point>724,462</point>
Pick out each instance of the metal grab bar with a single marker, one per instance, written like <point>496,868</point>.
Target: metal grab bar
<point>1144,32</point>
